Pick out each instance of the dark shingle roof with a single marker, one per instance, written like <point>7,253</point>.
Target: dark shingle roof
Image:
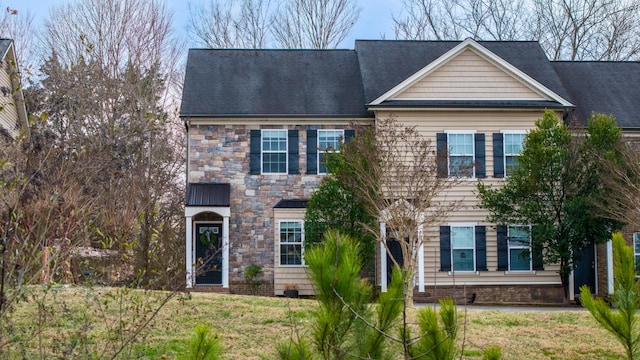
<point>603,87</point>
<point>207,194</point>
<point>272,82</point>
<point>386,63</point>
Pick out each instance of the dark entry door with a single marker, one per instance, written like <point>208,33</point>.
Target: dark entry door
<point>584,270</point>
<point>395,250</point>
<point>208,253</point>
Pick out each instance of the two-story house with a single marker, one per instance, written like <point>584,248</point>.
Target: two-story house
<point>258,123</point>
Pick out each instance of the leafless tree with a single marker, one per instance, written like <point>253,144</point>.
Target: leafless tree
<point>107,92</point>
<point>394,170</point>
<point>18,26</point>
<point>588,29</point>
<point>566,29</point>
<point>458,19</point>
<point>232,23</point>
<point>316,24</point>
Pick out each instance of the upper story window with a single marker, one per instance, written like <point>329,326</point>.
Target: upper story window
<point>519,243</point>
<point>461,153</point>
<point>291,243</point>
<point>512,149</point>
<point>328,140</point>
<point>274,151</point>
<point>507,146</point>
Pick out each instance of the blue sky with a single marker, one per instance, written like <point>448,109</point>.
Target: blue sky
<point>375,18</point>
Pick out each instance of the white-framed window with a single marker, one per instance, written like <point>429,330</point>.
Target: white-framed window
<point>636,252</point>
<point>513,142</point>
<point>463,248</point>
<point>291,243</point>
<point>328,141</point>
<point>519,247</point>
<point>461,153</point>
<point>274,151</point>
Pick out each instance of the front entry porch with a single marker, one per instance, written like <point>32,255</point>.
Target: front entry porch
<point>207,213</point>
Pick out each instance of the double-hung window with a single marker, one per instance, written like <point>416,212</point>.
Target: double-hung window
<point>328,141</point>
<point>512,149</point>
<point>519,245</point>
<point>274,151</point>
<point>461,154</point>
<point>636,252</point>
<point>463,248</point>
<point>291,243</point>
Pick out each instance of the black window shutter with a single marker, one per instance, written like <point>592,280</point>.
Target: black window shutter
<point>445,248</point>
<point>503,249</point>
<point>481,248</point>
<point>294,153</point>
<point>312,151</point>
<point>442,154</point>
<point>349,134</point>
<point>498,155</point>
<point>255,147</point>
<point>537,259</point>
<point>480,162</point>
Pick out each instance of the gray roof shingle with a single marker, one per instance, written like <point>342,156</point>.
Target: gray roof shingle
<point>611,88</point>
<point>273,83</point>
<point>386,63</point>
<point>340,83</point>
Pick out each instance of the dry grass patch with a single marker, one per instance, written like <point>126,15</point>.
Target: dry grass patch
<point>250,326</point>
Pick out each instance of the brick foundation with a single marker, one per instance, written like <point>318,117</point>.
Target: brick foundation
<point>494,294</point>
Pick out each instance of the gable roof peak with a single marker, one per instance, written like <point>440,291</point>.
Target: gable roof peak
<point>483,52</point>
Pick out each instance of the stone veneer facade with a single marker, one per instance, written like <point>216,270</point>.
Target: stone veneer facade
<point>220,154</point>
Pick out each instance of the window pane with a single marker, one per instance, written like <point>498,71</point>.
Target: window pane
<point>274,163</point>
<point>463,260</point>
<point>513,143</point>
<point>274,140</point>
<point>519,236</point>
<point>520,259</point>
<point>462,237</point>
<point>291,254</point>
<point>636,243</point>
<point>329,139</point>
<point>511,163</point>
<point>462,165</point>
<point>322,166</point>
<point>461,144</point>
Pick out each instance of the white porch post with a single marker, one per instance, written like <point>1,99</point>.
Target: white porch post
<point>610,266</point>
<point>189,252</point>
<point>225,252</point>
<point>383,258</point>
<point>421,254</point>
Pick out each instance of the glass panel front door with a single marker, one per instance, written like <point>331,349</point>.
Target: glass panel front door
<point>208,239</point>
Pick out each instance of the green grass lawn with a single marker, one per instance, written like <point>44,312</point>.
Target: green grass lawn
<point>76,322</point>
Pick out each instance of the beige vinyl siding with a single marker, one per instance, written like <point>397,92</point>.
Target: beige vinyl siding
<point>8,111</point>
<point>283,275</point>
<point>431,123</point>
<point>468,76</point>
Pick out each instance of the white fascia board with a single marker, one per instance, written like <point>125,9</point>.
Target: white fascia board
<point>487,55</point>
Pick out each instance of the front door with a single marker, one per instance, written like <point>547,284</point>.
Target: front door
<point>584,269</point>
<point>395,250</point>
<point>208,241</point>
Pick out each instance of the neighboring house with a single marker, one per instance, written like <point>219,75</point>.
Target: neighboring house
<point>258,122</point>
<point>13,113</point>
